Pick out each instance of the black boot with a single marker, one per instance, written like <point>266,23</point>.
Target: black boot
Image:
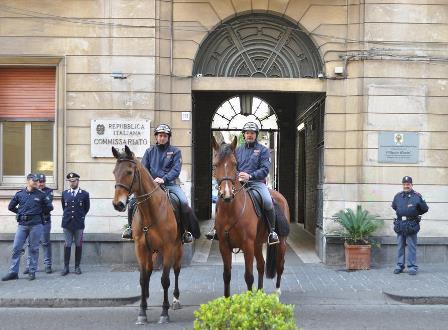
<point>273,237</point>
<point>187,237</point>
<point>10,276</point>
<point>127,234</point>
<point>211,235</point>
<point>67,252</point>
<point>78,254</point>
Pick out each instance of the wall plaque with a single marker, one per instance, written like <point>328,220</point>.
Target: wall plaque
<point>398,147</point>
<point>105,133</point>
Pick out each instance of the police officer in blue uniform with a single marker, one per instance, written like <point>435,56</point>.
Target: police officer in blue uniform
<point>46,227</point>
<point>409,205</point>
<point>29,204</point>
<point>253,164</point>
<point>164,162</point>
<point>76,205</point>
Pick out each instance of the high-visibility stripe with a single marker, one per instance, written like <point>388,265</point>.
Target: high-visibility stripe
<point>27,93</point>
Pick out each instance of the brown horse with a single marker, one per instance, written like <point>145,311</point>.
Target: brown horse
<point>154,227</point>
<point>238,226</point>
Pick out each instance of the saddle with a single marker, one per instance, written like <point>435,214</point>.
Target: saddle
<point>281,223</point>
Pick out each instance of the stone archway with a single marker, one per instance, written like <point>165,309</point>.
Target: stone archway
<point>258,45</point>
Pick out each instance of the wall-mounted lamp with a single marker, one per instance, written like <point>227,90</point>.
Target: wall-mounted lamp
<point>301,127</point>
<point>246,105</point>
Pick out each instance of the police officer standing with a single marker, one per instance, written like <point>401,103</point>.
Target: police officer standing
<point>75,204</point>
<point>409,205</point>
<point>46,227</point>
<point>164,162</point>
<point>253,164</point>
<point>29,204</point>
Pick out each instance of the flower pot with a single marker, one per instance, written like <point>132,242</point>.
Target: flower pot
<point>357,256</point>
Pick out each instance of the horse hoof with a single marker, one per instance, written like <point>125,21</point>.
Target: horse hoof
<point>164,319</point>
<point>141,320</point>
<point>176,304</point>
<point>278,291</point>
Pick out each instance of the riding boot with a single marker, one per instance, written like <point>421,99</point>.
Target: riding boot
<point>273,237</point>
<point>211,235</point>
<point>127,234</point>
<point>67,252</point>
<point>187,237</point>
<point>78,254</point>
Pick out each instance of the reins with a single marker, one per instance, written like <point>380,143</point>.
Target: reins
<point>146,196</point>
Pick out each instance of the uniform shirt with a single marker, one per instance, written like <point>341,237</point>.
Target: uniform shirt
<point>49,193</point>
<point>254,159</point>
<point>163,161</point>
<point>32,204</point>
<point>75,209</point>
<point>409,204</point>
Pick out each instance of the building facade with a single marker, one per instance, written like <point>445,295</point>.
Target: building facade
<point>339,74</point>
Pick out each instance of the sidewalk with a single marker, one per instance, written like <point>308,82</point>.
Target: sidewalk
<point>302,283</point>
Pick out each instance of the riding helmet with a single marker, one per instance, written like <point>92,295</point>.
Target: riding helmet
<point>250,126</point>
<point>163,128</point>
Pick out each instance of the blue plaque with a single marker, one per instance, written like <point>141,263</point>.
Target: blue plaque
<point>398,147</point>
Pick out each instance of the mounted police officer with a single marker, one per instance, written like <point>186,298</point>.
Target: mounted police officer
<point>253,164</point>
<point>46,227</point>
<point>29,204</point>
<point>409,205</point>
<point>164,162</point>
<point>76,205</point>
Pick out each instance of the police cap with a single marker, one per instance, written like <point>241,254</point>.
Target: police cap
<point>41,177</point>
<point>32,176</point>
<point>72,176</point>
<point>406,179</point>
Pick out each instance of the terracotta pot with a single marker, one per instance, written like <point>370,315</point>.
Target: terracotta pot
<point>357,256</point>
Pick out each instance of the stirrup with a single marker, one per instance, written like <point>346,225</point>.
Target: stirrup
<point>127,234</point>
<point>273,238</point>
<point>187,237</point>
<point>211,235</point>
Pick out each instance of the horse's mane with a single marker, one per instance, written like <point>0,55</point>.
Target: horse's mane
<point>225,150</point>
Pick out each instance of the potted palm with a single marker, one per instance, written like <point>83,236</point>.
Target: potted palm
<point>356,229</point>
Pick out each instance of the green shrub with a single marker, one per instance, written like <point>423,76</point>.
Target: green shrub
<point>357,226</point>
<point>250,310</point>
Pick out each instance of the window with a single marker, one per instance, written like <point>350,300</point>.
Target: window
<point>27,123</point>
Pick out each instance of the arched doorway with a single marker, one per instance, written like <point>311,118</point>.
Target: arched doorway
<point>234,113</point>
<point>246,51</point>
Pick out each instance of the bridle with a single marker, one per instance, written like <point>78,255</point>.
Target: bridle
<point>235,191</point>
<point>129,188</point>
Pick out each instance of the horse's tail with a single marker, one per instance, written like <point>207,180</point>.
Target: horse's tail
<point>193,223</point>
<point>271,260</point>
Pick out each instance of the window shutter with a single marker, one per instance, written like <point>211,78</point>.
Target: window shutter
<point>27,93</point>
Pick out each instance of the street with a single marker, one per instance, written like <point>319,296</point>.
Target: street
<point>311,316</point>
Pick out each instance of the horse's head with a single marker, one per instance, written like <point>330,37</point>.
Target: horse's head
<point>224,169</point>
<point>125,172</point>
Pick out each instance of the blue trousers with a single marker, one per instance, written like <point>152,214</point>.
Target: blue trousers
<point>263,190</point>
<point>33,233</point>
<point>46,245</point>
<point>73,235</point>
<point>175,189</point>
<point>411,241</point>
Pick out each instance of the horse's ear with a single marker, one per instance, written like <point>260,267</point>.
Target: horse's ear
<point>115,152</point>
<point>215,145</point>
<point>233,145</point>
<point>128,152</point>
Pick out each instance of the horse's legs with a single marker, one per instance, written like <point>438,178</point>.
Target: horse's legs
<point>249,265</point>
<point>142,319</point>
<point>165,280</point>
<point>226,254</point>
<point>280,262</point>
<point>176,293</point>
<point>260,264</point>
